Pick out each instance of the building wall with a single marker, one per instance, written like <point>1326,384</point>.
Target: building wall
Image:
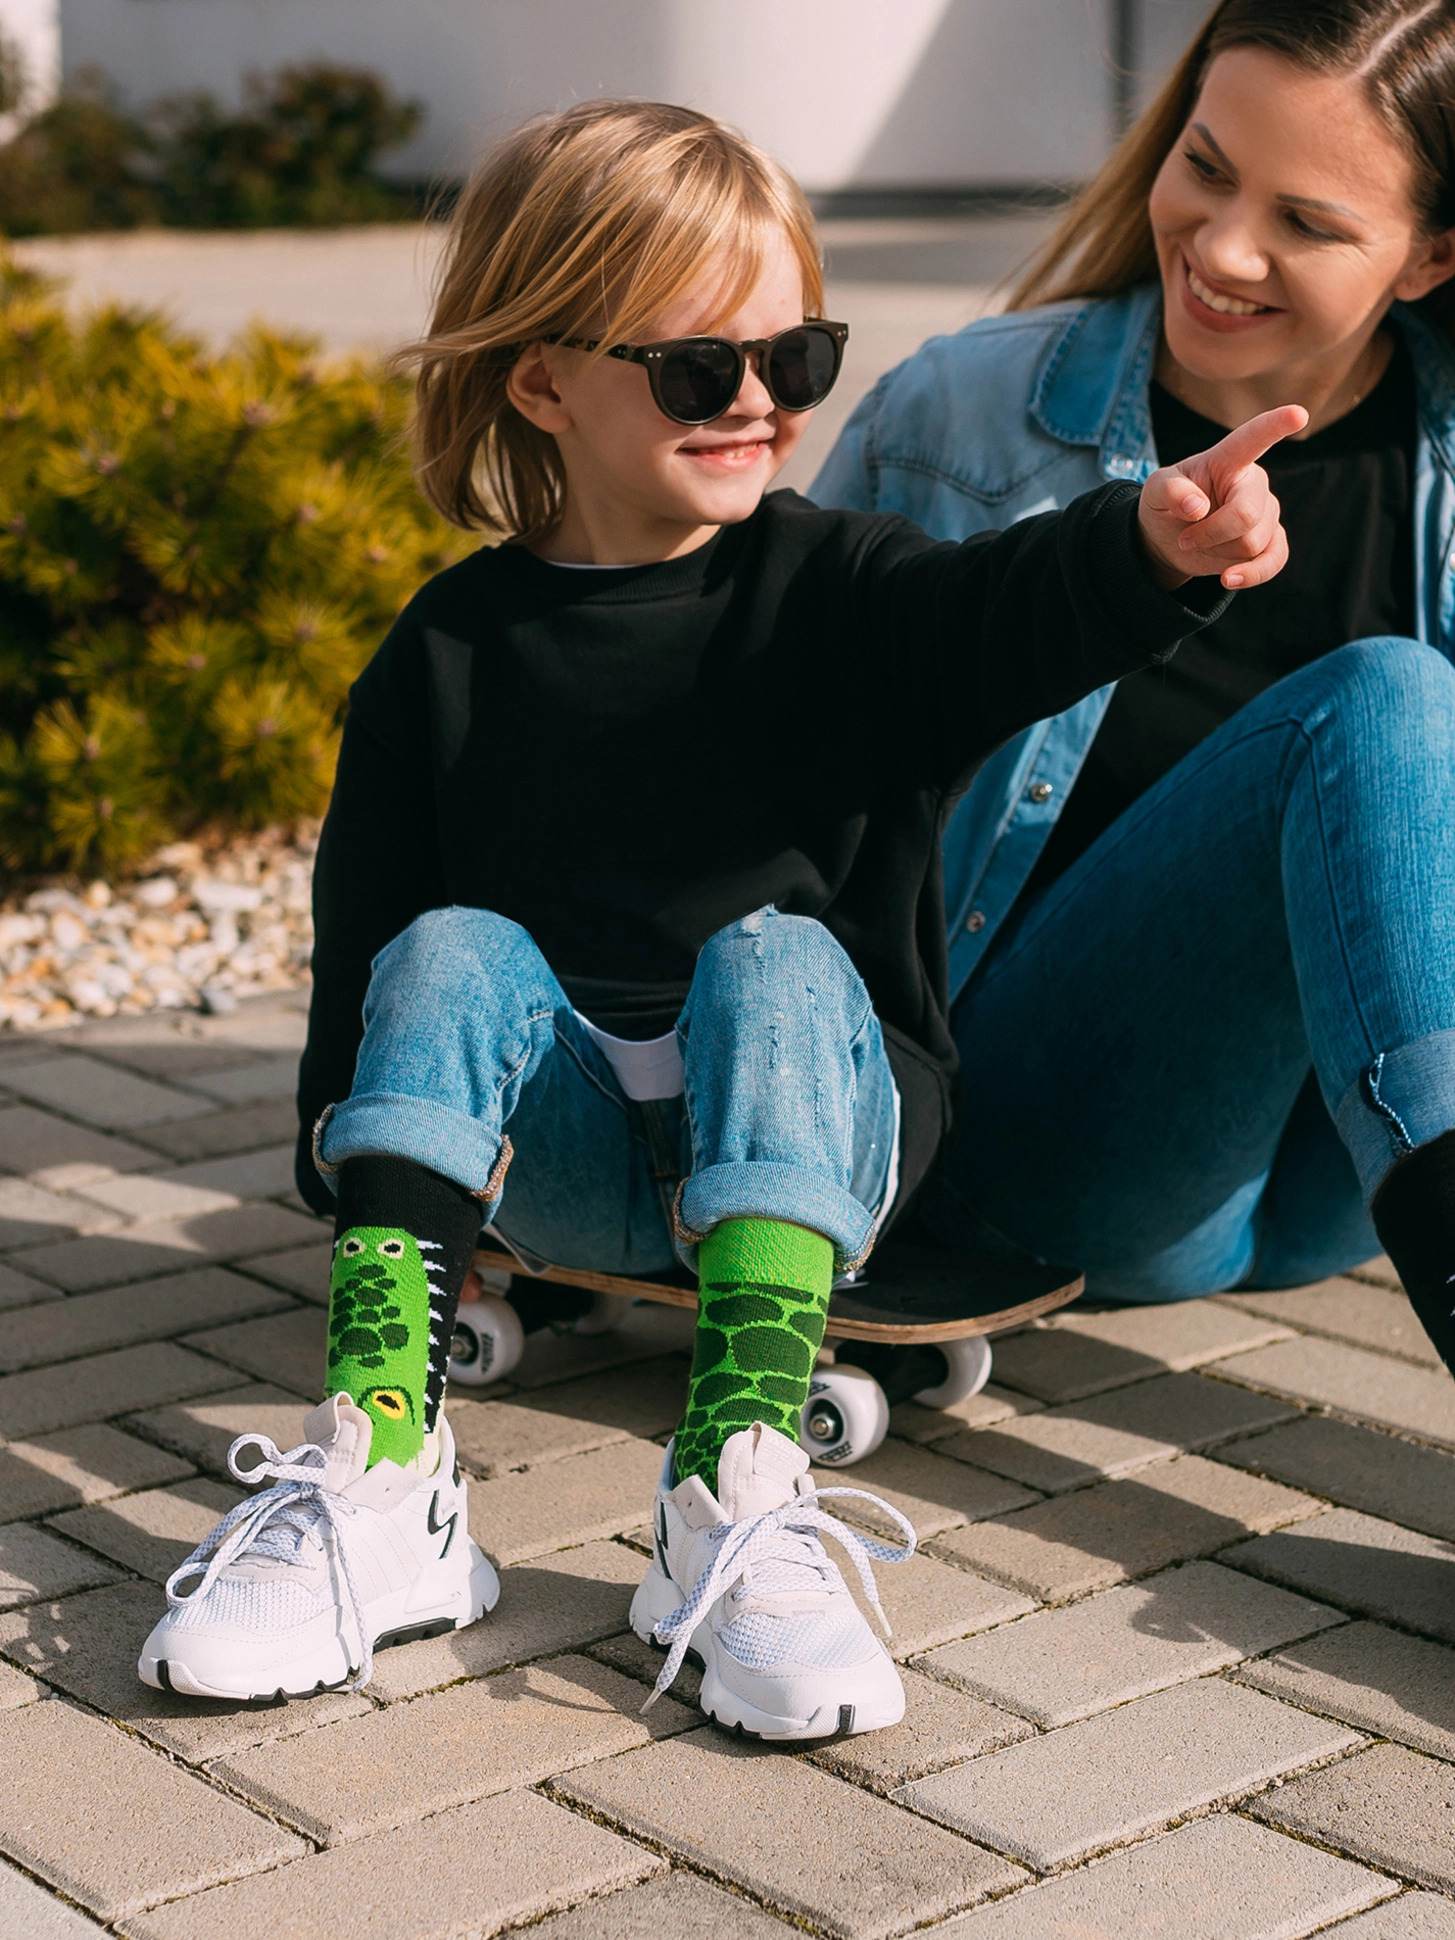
<point>849,93</point>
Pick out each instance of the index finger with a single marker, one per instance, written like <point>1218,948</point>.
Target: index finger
<point>1247,444</point>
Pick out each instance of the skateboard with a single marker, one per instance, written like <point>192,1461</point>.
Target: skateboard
<point>911,1325</point>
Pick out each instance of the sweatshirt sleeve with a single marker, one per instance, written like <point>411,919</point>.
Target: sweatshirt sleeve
<point>971,643</point>
<point>378,868</point>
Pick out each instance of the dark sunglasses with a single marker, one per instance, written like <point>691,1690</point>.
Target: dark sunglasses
<point>695,379</point>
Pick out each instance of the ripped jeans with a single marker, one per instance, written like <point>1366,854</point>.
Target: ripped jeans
<point>790,1109</point>
<point>1192,1060</point>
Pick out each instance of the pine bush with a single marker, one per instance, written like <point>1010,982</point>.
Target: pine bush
<point>198,553</point>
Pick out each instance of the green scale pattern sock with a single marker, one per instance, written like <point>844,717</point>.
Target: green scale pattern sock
<point>379,1327</point>
<point>763,1299</point>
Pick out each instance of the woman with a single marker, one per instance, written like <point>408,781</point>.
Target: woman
<point>1202,927</point>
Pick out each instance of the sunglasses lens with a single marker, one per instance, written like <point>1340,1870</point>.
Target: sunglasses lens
<point>698,381</point>
<point>802,367</point>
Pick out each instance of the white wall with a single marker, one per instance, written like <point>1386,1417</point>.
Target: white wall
<point>846,92</point>
<point>34,28</point>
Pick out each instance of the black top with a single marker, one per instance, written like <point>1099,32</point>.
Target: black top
<point>625,761</point>
<point>1347,496</point>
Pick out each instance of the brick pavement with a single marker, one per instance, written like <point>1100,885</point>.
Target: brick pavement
<point>1177,1647</point>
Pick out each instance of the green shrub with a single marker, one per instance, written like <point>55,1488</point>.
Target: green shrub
<point>302,149</point>
<point>197,555</point>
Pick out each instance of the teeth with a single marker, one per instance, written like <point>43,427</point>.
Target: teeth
<point>1228,306</point>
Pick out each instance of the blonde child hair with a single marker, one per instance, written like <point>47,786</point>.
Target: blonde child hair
<point>587,223</point>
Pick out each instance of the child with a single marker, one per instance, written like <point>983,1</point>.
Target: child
<point>630,938</point>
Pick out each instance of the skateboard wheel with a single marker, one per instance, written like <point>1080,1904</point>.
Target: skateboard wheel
<point>487,1341</point>
<point>607,1310</point>
<point>845,1416</point>
<point>967,1369</point>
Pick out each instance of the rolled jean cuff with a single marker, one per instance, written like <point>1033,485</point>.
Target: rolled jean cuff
<point>1402,1100</point>
<point>449,1142</point>
<point>786,1192</point>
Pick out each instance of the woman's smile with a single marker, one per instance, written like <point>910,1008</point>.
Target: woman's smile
<point>1218,309</point>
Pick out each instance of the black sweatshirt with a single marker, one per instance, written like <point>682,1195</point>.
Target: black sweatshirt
<point>625,761</point>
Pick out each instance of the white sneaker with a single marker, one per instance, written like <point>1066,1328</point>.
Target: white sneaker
<point>741,1581</point>
<point>302,1583</point>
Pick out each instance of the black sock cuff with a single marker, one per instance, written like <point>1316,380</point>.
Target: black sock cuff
<point>380,1190</point>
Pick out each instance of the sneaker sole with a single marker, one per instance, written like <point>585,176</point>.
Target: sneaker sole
<point>328,1669</point>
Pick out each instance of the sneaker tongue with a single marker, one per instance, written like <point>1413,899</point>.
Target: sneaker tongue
<point>757,1471</point>
<point>343,1432</point>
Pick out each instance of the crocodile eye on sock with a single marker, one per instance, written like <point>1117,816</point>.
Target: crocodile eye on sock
<point>402,1247</point>
<point>763,1299</point>
<point>1414,1216</point>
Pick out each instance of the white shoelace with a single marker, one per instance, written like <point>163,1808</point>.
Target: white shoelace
<point>299,1483</point>
<point>762,1537</point>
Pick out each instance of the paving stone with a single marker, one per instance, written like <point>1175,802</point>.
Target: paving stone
<point>163,1245</point>
<point>242,1129</point>
<point>509,1860</point>
<point>625,1652</point>
<point>1371,1386</point>
<point>89,1323</point>
<point>1347,1310</point>
<point>99,1094</point>
<point>811,1846</point>
<point>245,1084</point>
<point>278,1023</point>
<point>98,1841</point>
<point>1380,1680</point>
<point>1060,1665</point>
<point>561,1602</point>
<point>88,1645</point>
<point>642,1333</point>
<point>288,1349</point>
<point>34,1565</point>
<point>163,1051</point>
<point>1413,1916</point>
<point>577,1500</point>
<point>1379,1272</point>
<point>154,1531</point>
<point>251,1175</point>
<point>1389,1806</point>
<point>301,1269</point>
<point>679,1904</point>
<point>15,1689</point>
<point>19,1290</point>
<point>1218,1879</point>
<point>940,1727</point>
<point>78,1465</point>
<point>1166,1513</point>
<point>205,1429</point>
<point>913,1423</point>
<point>29,1912</point>
<point>1358,1467</point>
<point>929,1602</point>
<point>145,1196</point>
<point>103,1385</point>
<point>1076,1353</point>
<point>493,1735</point>
<point>496,1437</point>
<point>1111,1434</point>
<point>1061,1797</point>
<point>934,1494</point>
<point>1362,1564</point>
<point>39,1145</point>
<point>31,1214</point>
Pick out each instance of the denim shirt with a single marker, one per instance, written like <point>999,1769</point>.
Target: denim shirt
<point>941,440</point>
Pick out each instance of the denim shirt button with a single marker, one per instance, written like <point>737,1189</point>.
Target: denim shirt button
<point>975,921</point>
<point>1042,792</point>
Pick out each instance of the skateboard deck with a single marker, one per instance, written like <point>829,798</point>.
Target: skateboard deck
<point>905,1296</point>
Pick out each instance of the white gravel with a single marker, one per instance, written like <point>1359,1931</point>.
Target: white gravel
<point>203,928</point>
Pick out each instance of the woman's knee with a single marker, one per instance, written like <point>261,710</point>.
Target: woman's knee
<point>1388,690</point>
<point>449,948</point>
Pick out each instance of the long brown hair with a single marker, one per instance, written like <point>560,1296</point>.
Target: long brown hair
<point>584,224</point>
<point>1402,51</point>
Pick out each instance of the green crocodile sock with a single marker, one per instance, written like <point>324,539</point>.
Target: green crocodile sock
<point>763,1298</point>
<point>404,1240</point>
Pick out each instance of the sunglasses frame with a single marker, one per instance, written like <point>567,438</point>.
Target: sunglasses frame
<point>652,356</point>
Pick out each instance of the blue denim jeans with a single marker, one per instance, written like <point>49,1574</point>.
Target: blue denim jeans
<point>1190,1062</point>
<point>789,1109</point>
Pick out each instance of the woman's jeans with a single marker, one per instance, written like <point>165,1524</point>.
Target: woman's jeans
<point>1191,1061</point>
<point>789,1112</point>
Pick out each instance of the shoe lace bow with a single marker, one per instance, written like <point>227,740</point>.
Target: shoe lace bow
<point>778,1535</point>
<point>273,1522</point>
